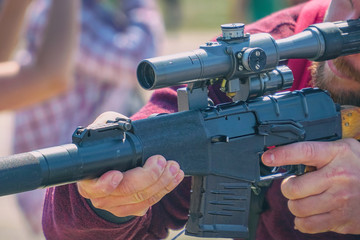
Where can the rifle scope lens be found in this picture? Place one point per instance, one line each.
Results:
(146, 75)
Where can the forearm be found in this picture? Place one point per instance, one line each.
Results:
(12, 15)
(68, 216)
(50, 73)
(55, 56)
(22, 86)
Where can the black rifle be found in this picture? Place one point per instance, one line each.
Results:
(221, 145)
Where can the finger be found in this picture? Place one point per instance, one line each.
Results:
(130, 205)
(138, 179)
(312, 183)
(170, 178)
(315, 224)
(140, 209)
(316, 154)
(314, 205)
(100, 187)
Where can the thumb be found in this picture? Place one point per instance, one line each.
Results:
(107, 116)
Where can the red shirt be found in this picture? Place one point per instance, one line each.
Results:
(68, 216)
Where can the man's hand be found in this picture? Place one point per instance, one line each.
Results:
(327, 199)
(131, 193)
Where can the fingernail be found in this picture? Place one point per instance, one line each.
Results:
(173, 170)
(161, 162)
(115, 180)
(268, 158)
(178, 177)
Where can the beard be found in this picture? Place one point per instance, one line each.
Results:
(328, 81)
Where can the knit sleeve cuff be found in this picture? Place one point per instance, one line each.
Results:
(109, 216)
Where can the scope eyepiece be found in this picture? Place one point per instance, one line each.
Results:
(146, 75)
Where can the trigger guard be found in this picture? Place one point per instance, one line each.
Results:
(290, 170)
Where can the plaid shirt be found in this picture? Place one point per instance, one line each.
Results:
(109, 51)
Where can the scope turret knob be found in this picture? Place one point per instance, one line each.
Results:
(254, 59)
(232, 31)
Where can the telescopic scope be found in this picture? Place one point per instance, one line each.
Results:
(239, 55)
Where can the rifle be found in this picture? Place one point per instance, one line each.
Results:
(220, 146)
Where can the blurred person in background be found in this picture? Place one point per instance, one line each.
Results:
(173, 14)
(114, 37)
(48, 74)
